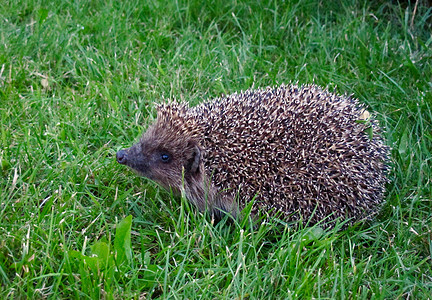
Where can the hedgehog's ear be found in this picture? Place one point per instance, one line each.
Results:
(194, 160)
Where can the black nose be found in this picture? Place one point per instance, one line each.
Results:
(121, 157)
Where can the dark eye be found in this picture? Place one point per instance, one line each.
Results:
(165, 157)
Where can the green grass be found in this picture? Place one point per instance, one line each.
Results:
(78, 81)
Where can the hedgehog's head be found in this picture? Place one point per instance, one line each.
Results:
(168, 152)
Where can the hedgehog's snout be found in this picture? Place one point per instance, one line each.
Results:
(133, 158)
(122, 157)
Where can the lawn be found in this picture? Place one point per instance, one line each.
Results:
(78, 81)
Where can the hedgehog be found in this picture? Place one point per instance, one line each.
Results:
(298, 153)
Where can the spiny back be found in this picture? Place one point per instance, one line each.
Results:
(296, 149)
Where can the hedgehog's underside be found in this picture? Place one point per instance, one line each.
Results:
(299, 151)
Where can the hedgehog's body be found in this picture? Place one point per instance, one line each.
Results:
(297, 151)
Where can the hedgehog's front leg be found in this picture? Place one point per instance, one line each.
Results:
(200, 190)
